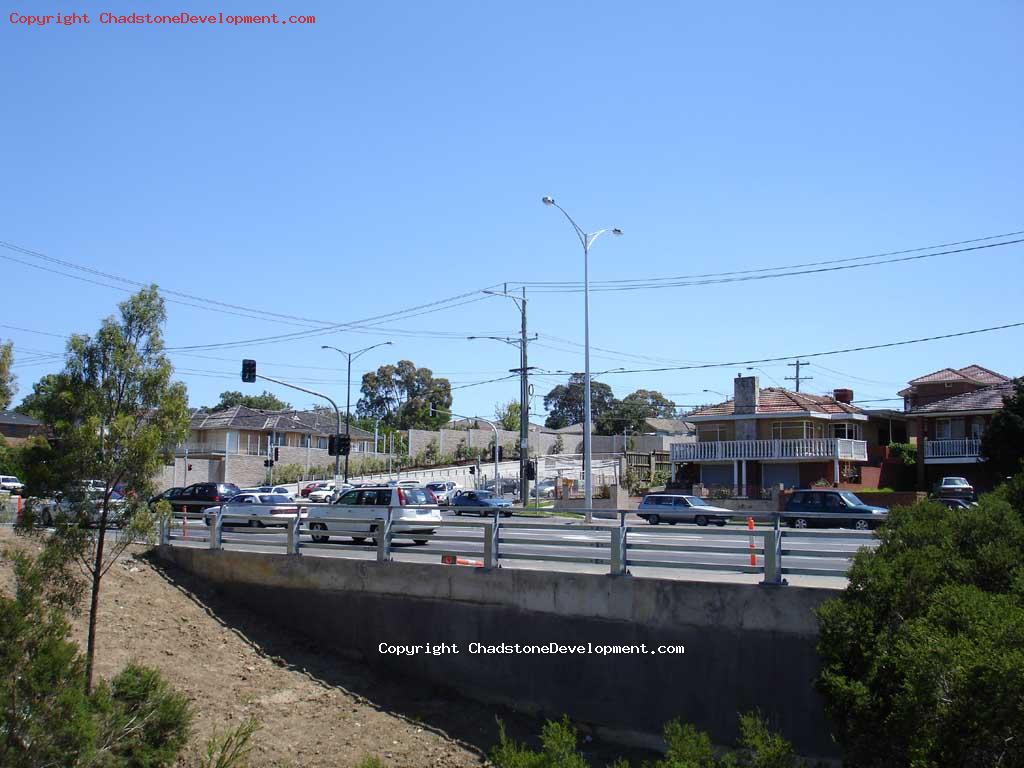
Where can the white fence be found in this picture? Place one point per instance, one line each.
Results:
(802, 448)
(967, 447)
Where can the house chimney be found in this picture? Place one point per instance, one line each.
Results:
(746, 394)
(843, 395)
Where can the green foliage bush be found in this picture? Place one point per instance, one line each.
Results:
(685, 747)
(134, 721)
(923, 654)
(905, 451)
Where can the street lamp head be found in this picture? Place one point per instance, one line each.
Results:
(617, 231)
(547, 200)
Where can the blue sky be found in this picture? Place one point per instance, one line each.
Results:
(394, 154)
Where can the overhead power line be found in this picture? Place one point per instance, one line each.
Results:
(864, 348)
(669, 281)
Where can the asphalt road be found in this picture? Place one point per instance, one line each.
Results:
(567, 538)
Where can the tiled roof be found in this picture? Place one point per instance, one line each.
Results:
(974, 373)
(243, 417)
(984, 399)
(779, 400)
(18, 419)
(984, 375)
(672, 426)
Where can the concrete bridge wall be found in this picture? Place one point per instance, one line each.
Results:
(747, 647)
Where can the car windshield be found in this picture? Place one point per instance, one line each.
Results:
(954, 482)
(436, 486)
(274, 498)
(851, 498)
(696, 501)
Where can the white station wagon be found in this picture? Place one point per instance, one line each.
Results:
(413, 510)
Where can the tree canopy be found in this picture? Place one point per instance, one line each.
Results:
(507, 415)
(265, 401)
(1003, 442)
(564, 403)
(8, 380)
(402, 395)
(116, 416)
(923, 654)
(632, 411)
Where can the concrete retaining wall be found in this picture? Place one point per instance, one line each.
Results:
(746, 646)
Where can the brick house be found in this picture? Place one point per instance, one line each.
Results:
(16, 428)
(948, 430)
(231, 445)
(765, 437)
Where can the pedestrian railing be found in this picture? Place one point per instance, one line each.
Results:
(619, 547)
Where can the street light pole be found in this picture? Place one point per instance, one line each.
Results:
(348, 398)
(586, 239)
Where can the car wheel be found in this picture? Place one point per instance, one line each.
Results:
(319, 538)
(720, 523)
(506, 514)
(672, 522)
(358, 539)
(419, 542)
(251, 523)
(458, 513)
(700, 520)
(800, 522)
(862, 525)
(653, 519)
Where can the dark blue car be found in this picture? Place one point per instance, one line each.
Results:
(485, 499)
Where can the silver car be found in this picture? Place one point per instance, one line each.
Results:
(675, 508)
(255, 510)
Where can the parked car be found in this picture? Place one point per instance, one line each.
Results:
(413, 510)
(85, 501)
(280, 490)
(545, 489)
(11, 484)
(200, 496)
(444, 491)
(509, 485)
(264, 509)
(835, 503)
(956, 503)
(169, 494)
(480, 499)
(323, 494)
(954, 488)
(307, 489)
(675, 508)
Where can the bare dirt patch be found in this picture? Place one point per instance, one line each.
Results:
(313, 710)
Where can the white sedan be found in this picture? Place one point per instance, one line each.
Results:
(255, 510)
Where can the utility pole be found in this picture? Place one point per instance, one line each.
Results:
(798, 378)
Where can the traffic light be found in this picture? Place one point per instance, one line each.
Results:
(189, 467)
(531, 470)
(277, 454)
(472, 470)
(498, 449)
(249, 371)
(268, 462)
(344, 445)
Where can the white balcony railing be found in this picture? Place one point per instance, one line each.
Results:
(966, 447)
(806, 448)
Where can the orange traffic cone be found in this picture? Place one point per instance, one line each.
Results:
(753, 549)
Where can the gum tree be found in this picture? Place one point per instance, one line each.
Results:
(116, 416)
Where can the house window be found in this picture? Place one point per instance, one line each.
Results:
(321, 443)
(795, 430)
(977, 428)
(848, 431)
(711, 433)
(943, 429)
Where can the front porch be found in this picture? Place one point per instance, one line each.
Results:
(957, 451)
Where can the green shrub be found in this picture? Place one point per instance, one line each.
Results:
(558, 749)
(143, 722)
(923, 654)
(905, 451)
(370, 762)
(230, 749)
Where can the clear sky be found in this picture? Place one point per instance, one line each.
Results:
(394, 154)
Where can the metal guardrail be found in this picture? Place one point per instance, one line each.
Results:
(618, 547)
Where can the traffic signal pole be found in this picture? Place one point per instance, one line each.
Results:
(249, 375)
